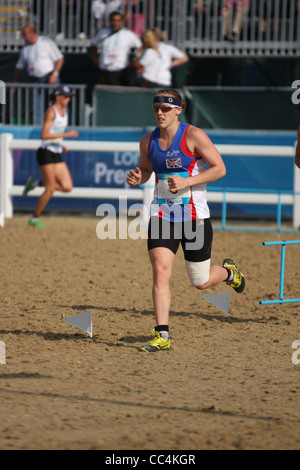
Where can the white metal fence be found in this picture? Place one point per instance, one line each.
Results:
(265, 27)
(8, 189)
(26, 104)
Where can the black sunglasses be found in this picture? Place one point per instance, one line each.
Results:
(164, 107)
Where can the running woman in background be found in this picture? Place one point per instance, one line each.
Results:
(177, 153)
(54, 171)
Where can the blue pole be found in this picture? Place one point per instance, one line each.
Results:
(282, 271)
(285, 301)
(290, 242)
(281, 300)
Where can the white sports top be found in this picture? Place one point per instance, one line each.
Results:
(59, 124)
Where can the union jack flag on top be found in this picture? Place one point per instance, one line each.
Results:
(173, 163)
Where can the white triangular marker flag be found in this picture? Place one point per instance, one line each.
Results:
(219, 300)
(83, 321)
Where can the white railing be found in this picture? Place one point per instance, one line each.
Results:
(26, 104)
(8, 189)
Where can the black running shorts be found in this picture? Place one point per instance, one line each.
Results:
(195, 237)
(45, 156)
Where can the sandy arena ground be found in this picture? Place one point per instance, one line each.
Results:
(225, 384)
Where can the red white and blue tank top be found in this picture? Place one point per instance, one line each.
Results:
(186, 204)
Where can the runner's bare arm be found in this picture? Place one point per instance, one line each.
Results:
(143, 172)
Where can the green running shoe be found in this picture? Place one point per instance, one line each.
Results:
(36, 223)
(157, 344)
(29, 186)
(238, 282)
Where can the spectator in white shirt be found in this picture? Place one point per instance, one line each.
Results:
(43, 60)
(171, 57)
(148, 63)
(116, 44)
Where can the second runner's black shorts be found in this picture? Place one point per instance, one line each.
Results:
(45, 156)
